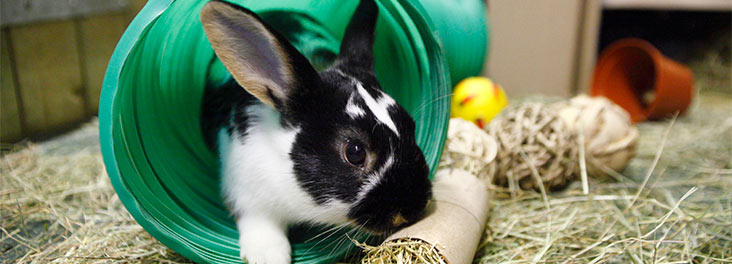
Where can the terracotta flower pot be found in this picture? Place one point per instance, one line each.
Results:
(635, 75)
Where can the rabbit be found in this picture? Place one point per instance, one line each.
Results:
(301, 146)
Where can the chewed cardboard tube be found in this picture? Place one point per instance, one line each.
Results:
(455, 219)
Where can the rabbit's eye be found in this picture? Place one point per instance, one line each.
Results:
(355, 153)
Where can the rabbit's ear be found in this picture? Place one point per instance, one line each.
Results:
(259, 59)
(356, 47)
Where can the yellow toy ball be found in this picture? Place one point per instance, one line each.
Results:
(478, 100)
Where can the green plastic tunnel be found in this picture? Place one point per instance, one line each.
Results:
(149, 111)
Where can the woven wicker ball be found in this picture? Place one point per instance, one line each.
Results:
(469, 148)
(609, 136)
(533, 140)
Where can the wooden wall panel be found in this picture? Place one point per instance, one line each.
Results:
(535, 44)
(99, 36)
(49, 75)
(588, 38)
(57, 71)
(10, 123)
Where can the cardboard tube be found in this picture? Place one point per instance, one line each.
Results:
(455, 219)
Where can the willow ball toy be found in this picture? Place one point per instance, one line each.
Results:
(533, 140)
(469, 148)
(609, 136)
(478, 100)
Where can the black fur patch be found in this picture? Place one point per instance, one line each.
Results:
(219, 103)
(356, 47)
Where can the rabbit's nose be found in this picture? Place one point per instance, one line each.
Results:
(398, 220)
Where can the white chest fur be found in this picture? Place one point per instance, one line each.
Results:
(258, 175)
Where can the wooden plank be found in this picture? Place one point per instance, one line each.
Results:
(10, 124)
(25, 12)
(49, 76)
(99, 36)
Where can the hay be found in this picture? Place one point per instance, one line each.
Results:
(58, 206)
(712, 67)
(402, 251)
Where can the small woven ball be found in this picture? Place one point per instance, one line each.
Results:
(532, 140)
(609, 136)
(478, 100)
(469, 148)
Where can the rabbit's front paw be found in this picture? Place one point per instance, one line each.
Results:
(263, 242)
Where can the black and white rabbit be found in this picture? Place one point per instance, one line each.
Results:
(297, 145)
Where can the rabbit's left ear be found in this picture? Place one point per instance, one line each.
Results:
(357, 45)
(259, 59)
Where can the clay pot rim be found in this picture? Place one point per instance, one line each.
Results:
(604, 63)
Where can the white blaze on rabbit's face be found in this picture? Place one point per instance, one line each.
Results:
(353, 110)
(380, 107)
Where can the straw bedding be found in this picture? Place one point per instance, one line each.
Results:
(672, 204)
(58, 206)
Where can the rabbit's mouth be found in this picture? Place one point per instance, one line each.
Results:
(384, 216)
(387, 224)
